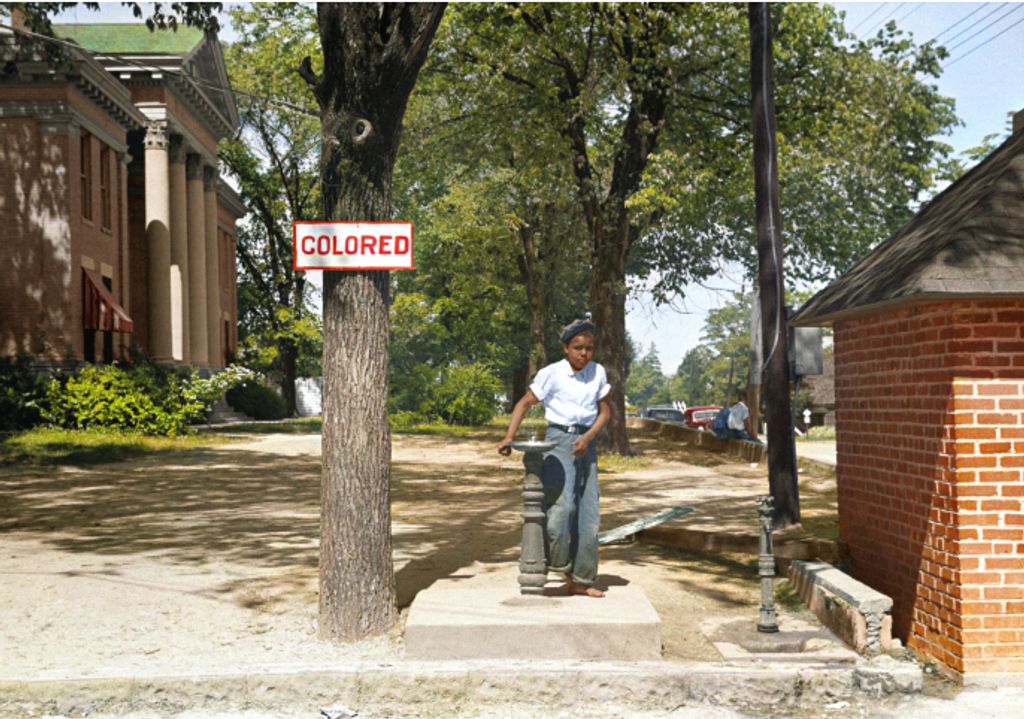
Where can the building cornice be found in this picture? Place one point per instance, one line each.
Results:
(61, 117)
(227, 197)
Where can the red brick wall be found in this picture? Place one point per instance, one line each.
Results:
(46, 237)
(35, 249)
(930, 442)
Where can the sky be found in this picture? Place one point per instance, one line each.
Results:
(982, 74)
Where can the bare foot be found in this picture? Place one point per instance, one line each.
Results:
(585, 590)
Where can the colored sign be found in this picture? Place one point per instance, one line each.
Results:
(353, 246)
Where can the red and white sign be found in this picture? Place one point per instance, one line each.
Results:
(353, 246)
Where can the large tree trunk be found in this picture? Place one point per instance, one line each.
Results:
(608, 307)
(775, 380)
(372, 56)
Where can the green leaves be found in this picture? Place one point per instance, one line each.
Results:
(276, 160)
(142, 398)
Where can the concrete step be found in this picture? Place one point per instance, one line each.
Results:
(224, 414)
(445, 689)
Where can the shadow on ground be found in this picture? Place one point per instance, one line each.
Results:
(456, 505)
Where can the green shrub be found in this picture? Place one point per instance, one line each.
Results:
(21, 390)
(467, 395)
(405, 419)
(141, 397)
(257, 400)
(108, 396)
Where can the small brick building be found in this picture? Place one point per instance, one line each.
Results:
(117, 232)
(929, 392)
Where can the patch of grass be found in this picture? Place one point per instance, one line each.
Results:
(52, 446)
(299, 425)
(495, 428)
(613, 463)
(818, 434)
(786, 596)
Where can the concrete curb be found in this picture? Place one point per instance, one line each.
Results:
(740, 449)
(428, 689)
(785, 548)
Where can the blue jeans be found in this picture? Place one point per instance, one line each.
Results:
(571, 508)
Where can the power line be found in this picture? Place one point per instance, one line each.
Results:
(909, 13)
(986, 42)
(977, 22)
(1001, 17)
(965, 17)
(151, 68)
(865, 19)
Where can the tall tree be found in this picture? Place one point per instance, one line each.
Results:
(274, 161)
(646, 384)
(372, 55)
(487, 207)
(648, 106)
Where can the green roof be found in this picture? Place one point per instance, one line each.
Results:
(131, 37)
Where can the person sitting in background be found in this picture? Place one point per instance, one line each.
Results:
(731, 422)
(720, 425)
(737, 421)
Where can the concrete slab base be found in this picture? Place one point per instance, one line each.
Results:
(439, 690)
(485, 617)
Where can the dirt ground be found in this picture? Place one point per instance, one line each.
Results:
(206, 561)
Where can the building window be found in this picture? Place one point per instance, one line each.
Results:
(105, 187)
(86, 172)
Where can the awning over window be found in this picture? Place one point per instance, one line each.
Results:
(101, 309)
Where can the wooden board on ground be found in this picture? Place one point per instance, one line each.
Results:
(622, 533)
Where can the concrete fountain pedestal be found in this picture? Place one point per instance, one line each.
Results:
(482, 615)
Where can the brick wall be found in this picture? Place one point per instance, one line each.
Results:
(930, 443)
(35, 251)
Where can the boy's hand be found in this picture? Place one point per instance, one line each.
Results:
(580, 446)
(505, 448)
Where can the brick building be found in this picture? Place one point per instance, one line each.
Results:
(929, 393)
(117, 232)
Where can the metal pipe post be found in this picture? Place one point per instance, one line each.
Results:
(766, 620)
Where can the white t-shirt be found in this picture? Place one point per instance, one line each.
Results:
(570, 397)
(738, 414)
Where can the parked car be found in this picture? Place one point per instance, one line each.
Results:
(700, 417)
(664, 413)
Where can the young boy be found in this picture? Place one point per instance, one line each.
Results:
(575, 396)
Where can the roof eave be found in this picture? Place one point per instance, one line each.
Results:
(830, 317)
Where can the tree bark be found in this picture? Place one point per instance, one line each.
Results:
(372, 56)
(536, 300)
(608, 307)
(775, 383)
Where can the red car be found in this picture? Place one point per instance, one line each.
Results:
(698, 417)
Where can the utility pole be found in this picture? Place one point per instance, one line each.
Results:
(775, 377)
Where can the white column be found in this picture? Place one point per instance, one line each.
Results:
(214, 322)
(158, 242)
(180, 340)
(197, 260)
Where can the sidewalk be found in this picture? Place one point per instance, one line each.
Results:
(819, 451)
(190, 582)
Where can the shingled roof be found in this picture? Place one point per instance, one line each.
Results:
(967, 242)
(133, 38)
